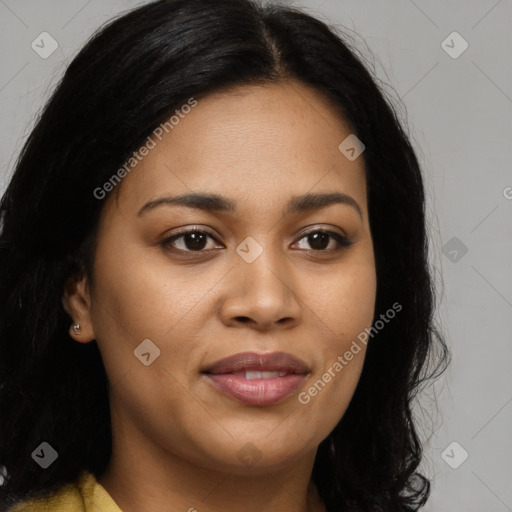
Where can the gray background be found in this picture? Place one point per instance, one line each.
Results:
(459, 114)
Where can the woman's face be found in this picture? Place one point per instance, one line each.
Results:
(252, 280)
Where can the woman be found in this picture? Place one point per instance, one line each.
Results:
(214, 288)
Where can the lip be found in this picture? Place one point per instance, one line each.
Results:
(227, 376)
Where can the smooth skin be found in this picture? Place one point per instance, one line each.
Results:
(176, 439)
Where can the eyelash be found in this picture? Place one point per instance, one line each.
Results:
(343, 241)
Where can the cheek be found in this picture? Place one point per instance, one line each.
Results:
(138, 295)
(137, 292)
(345, 303)
(129, 300)
(347, 307)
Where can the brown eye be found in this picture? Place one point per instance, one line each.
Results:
(195, 240)
(319, 240)
(190, 241)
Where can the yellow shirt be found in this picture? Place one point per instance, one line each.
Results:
(85, 495)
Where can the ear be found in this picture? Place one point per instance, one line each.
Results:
(76, 301)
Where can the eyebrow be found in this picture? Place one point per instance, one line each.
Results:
(218, 203)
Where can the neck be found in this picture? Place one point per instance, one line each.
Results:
(143, 479)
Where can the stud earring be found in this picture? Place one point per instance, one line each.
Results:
(77, 328)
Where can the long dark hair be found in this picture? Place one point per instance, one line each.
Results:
(129, 77)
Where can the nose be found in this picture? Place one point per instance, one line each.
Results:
(262, 294)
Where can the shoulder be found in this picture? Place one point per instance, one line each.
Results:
(68, 499)
(84, 495)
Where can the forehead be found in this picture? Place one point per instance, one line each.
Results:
(269, 141)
